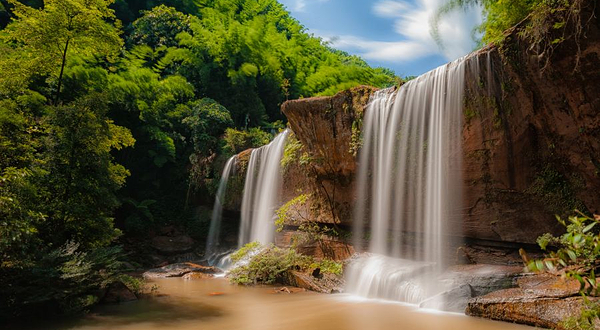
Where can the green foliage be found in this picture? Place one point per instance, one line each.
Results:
(356, 140)
(64, 280)
(20, 217)
(284, 215)
(140, 217)
(252, 56)
(291, 152)
(294, 212)
(159, 27)
(544, 18)
(499, 15)
(41, 40)
(555, 190)
(245, 251)
(237, 141)
(587, 320)
(576, 256)
(83, 175)
(208, 121)
(267, 265)
(328, 266)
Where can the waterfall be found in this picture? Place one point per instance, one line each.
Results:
(212, 242)
(409, 184)
(262, 190)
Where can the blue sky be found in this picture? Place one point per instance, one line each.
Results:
(389, 33)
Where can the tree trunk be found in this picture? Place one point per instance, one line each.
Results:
(62, 70)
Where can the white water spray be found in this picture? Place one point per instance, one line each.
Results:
(409, 184)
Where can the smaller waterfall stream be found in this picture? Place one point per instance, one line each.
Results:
(262, 188)
(212, 243)
(261, 192)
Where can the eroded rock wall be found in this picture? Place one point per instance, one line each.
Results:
(531, 139)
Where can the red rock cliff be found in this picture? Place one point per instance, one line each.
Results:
(531, 138)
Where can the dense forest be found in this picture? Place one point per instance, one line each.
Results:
(115, 116)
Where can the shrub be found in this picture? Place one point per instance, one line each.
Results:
(66, 280)
(268, 264)
(237, 141)
(577, 256)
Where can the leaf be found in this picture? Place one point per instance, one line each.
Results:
(572, 255)
(589, 227)
(539, 265)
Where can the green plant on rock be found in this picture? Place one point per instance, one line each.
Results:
(577, 256)
(267, 265)
(356, 139)
(548, 27)
(328, 266)
(555, 190)
(294, 213)
(246, 250)
(237, 141)
(285, 215)
(291, 152)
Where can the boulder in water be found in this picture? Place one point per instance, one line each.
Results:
(540, 300)
(197, 276)
(326, 283)
(180, 269)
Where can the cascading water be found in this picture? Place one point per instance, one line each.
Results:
(212, 242)
(409, 184)
(262, 192)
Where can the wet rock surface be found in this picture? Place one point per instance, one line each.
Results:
(324, 283)
(326, 247)
(180, 269)
(464, 282)
(542, 300)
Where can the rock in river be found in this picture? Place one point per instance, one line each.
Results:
(180, 269)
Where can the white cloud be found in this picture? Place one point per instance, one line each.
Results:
(399, 51)
(412, 24)
(300, 5)
(389, 8)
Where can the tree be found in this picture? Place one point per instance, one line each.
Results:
(159, 27)
(83, 177)
(42, 39)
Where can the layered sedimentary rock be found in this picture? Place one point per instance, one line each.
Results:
(539, 300)
(328, 129)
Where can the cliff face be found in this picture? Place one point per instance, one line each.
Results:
(328, 129)
(531, 138)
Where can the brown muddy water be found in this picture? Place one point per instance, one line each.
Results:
(215, 304)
